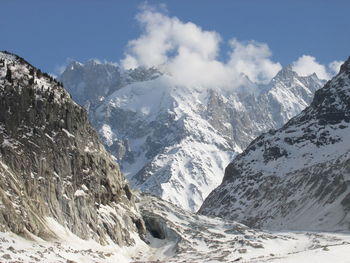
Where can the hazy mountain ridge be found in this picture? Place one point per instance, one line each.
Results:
(93, 81)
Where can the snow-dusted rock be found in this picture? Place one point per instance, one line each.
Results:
(296, 177)
(52, 164)
(93, 81)
(175, 141)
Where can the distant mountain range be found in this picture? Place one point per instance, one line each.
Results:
(175, 141)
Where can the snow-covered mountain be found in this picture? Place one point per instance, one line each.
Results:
(296, 177)
(174, 141)
(63, 199)
(93, 81)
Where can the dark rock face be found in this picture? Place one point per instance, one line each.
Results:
(296, 177)
(52, 165)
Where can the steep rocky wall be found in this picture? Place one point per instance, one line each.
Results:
(53, 165)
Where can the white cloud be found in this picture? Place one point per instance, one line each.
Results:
(334, 66)
(129, 62)
(163, 37)
(252, 59)
(307, 65)
(190, 54)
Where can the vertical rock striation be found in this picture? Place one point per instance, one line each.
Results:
(53, 166)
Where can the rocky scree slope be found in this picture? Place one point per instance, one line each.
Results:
(174, 141)
(53, 166)
(296, 177)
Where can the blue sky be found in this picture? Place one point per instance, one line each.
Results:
(46, 33)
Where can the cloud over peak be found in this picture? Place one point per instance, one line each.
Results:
(164, 38)
(307, 65)
(191, 54)
(253, 59)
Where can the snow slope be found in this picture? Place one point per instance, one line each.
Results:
(66, 248)
(176, 235)
(296, 177)
(182, 236)
(175, 153)
(175, 141)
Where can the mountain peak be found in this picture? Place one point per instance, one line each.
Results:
(153, 125)
(93, 61)
(73, 65)
(286, 73)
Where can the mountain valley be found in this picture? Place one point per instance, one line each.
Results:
(175, 141)
(64, 199)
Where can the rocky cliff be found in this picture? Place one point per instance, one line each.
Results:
(53, 166)
(296, 177)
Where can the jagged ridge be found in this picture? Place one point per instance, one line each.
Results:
(175, 141)
(297, 177)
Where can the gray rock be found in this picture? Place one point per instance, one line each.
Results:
(52, 164)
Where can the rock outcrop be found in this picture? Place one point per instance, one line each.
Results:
(53, 166)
